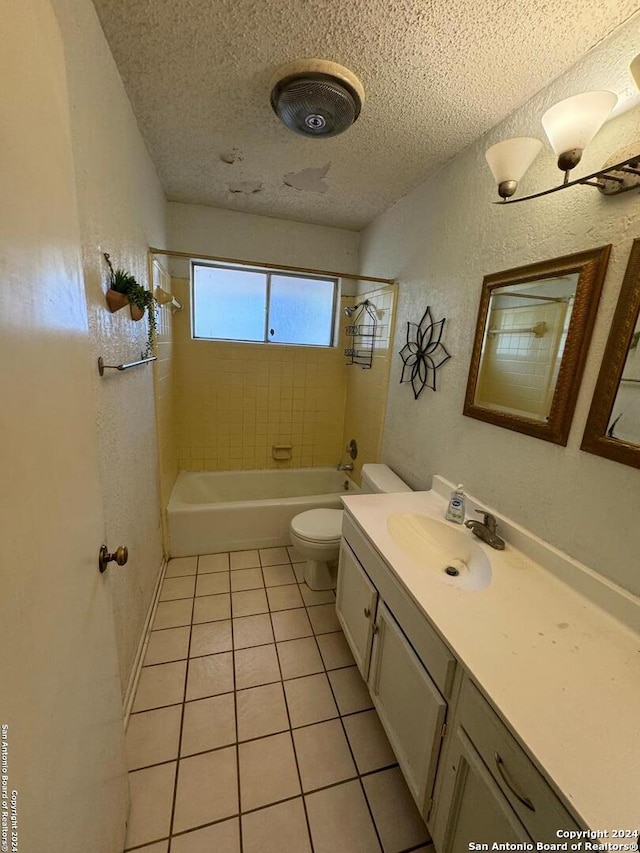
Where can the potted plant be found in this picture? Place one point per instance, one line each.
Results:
(123, 290)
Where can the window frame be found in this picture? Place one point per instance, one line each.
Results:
(268, 272)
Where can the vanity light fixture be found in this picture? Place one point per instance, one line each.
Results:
(569, 125)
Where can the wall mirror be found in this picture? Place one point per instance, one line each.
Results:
(613, 425)
(532, 337)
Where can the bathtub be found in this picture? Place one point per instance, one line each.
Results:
(237, 510)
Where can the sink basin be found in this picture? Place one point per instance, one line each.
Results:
(440, 547)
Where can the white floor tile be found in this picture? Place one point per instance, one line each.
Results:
(181, 566)
(175, 588)
(173, 614)
(256, 665)
(252, 631)
(312, 597)
(276, 829)
(335, 650)
(207, 789)
(208, 724)
(246, 579)
(223, 837)
(213, 563)
(323, 755)
(284, 597)
(212, 584)
(211, 608)
(278, 575)
(324, 619)
(160, 685)
(153, 737)
(244, 559)
(368, 741)
(352, 694)
(299, 657)
(267, 771)
(249, 602)
(340, 820)
(151, 799)
(291, 624)
(395, 814)
(209, 638)
(273, 556)
(261, 711)
(210, 676)
(158, 847)
(168, 645)
(309, 700)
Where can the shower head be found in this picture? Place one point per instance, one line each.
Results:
(350, 310)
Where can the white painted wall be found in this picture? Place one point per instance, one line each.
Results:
(230, 233)
(439, 242)
(122, 212)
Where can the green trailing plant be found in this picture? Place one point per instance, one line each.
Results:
(123, 282)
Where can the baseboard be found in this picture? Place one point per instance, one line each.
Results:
(142, 646)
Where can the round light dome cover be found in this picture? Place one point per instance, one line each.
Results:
(317, 98)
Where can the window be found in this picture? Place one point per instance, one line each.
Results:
(239, 304)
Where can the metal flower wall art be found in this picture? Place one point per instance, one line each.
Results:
(423, 353)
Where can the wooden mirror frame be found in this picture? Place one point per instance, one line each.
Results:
(595, 438)
(591, 266)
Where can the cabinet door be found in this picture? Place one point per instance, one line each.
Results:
(472, 808)
(356, 599)
(409, 705)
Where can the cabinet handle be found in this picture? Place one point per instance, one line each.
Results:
(367, 612)
(502, 770)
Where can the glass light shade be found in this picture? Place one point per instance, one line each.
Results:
(634, 68)
(510, 159)
(574, 122)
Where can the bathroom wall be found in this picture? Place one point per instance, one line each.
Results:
(122, 212)
(366, 394)
(439, 242)
(235, 401)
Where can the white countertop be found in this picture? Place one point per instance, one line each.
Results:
(564, 673)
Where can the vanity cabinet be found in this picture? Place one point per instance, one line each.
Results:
(409, 703)
(484, 787)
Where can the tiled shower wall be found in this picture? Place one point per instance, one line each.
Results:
(233, 402)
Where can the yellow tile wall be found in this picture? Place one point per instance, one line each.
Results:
(367, 389)
(233, 402)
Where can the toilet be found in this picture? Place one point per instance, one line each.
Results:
(316, 533)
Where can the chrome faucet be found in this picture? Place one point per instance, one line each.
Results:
(486, 530)
(345, 466)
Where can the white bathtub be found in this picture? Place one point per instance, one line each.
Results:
(236, 510)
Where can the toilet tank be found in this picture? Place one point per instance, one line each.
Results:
(380, 478)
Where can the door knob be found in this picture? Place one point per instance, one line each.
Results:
(120, 556)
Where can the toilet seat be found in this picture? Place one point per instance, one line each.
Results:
(318, 525)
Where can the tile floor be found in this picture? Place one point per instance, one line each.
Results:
(252, 731)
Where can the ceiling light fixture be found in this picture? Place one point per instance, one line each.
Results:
(316, 98)
(569, 125)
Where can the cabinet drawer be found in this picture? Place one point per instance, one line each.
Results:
(434, 654)
(535, 803)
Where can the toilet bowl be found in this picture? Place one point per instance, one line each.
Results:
(316, 533)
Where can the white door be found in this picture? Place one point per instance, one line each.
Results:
(59, 690)
(356, 599)
(409, 705)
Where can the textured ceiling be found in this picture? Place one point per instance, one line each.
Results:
(437, 74)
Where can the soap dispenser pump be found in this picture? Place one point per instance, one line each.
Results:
(456, 510)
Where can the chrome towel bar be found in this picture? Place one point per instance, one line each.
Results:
(102, 366)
